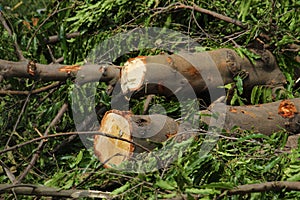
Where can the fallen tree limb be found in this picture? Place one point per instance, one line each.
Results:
(167, 74)
(162, 74)
(263, 118)
(58, 72)
(38, 190)
(148, 130)
(145, 130)
(214, 14)
(264, 187)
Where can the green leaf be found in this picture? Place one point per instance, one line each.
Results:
(68, 184)
(202, 191)
(227, 86)
(121, 189)
(272, 164)
(253, 95)
(166, 196)
(219, 185)
(239, 84)
(79, 157)
(294, 178)
(167, 185)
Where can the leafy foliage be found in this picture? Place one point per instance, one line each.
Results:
(245, 157)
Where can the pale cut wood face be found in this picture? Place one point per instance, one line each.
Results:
(133, 74)
(106, 148)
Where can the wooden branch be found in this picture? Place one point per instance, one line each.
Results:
(161, 73)
(58, 72)
(36, 155)
(92, 133)
(36, 91)
(37, 190)
(263, 118)
(212, 13)
(291, 143)
(145, 130)
(150, 130)
(264, 187)
(55, 38)
(150, 74)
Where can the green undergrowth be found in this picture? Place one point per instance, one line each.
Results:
(183, 169)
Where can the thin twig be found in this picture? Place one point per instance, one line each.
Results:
(49, 16)
(36, 91)
(212, 13)
(9, 174)
(55, 38)
(232, 37)
(37, 190)
(72, 133)
(10, 33)
(36, 155)
(51, 54)
(19, 117)
(147, 103)
(263, 187)
(196, 22)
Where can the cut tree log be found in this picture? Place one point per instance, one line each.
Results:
(137, 133)
(162, 74)
(167, 74)
(263, 118)
(140, 133)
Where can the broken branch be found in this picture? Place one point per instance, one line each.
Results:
(264, 187)
(37, 190)
(58, 72)
(263, 118)
(55, 38)
(212, 13)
